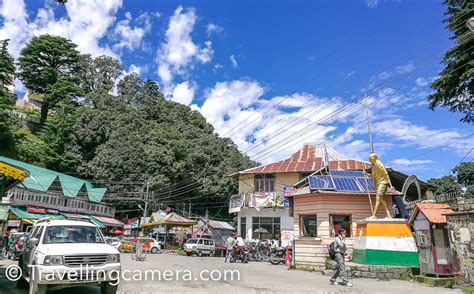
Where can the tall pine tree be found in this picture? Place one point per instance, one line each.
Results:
(455, 84)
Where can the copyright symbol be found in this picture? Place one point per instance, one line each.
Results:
(13, 273)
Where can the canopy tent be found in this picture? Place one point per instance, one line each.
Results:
(172, 219)
(108, 221)
(29, 217)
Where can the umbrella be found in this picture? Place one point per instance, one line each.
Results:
(260, 231)
(118, 232)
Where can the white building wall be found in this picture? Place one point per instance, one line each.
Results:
(286, 222)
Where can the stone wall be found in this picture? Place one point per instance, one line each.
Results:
(461, 238)
(381, 272)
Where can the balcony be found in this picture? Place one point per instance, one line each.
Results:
(19, 196)
(257, 200)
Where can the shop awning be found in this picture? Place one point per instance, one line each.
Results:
(79, 216)
(108, 221)
(29, 217)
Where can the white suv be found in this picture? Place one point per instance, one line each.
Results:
(67, 253)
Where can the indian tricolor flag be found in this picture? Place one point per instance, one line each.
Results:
(385, 242)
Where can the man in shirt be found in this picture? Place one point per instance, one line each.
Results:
(341, 252)
(229, 243)
(240, 241)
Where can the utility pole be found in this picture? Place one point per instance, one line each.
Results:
(189, 214)
(146, 198)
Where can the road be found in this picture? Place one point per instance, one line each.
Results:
(181, 274)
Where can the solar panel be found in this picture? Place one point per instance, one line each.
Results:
(346, 184)
(369, 183)
(320, 182)
(346, 173)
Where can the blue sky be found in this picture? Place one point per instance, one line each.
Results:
(275, 74)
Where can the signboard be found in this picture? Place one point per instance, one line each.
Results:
(36, 209)
(40, 210)
(13, 223)
(287, 236)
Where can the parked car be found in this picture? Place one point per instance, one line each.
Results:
(200, 247)
(68, 247)
(148, 244)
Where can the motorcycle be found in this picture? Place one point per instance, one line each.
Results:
(279, 255)
(240, 253)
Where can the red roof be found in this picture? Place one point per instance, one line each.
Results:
(434, 212)
(306, 160)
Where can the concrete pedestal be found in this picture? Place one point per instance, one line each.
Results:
(385, 242)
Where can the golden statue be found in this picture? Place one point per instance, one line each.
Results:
(381, 182)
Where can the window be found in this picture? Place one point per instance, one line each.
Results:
(269, 228)
(264, 183)
(243, 227)
(338, 222)
(309, 226)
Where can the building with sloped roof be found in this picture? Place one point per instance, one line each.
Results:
(47, 193)
(310, 196)
(260, 203)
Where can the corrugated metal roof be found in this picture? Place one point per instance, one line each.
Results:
(434, 212)
(308, 159)
(41, 179)
(219, 225)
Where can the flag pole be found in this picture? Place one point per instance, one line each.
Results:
(371, 150)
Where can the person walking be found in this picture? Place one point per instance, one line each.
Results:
(229, 243)
(340, 252)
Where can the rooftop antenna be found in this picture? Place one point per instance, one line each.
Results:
(368, 124)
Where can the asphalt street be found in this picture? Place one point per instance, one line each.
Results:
(180, 274)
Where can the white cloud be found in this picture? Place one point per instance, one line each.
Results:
(213, 28)
(184, 93)
(423, 137)
(233, 61)
(128, 37)
(411, 164)
(216, 67)
(178, 54)
(372, 3)
(86, 22)
(421, 82)
(407, 68)
(237, 109)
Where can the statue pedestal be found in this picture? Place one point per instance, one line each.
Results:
(385, 242)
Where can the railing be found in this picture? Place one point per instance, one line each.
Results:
(21, 197)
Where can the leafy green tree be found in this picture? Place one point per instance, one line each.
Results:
(465, 176)
(7, 70)
(446, 185)
(49, 66)
(99, 74)
(455, 85)
(56, 135)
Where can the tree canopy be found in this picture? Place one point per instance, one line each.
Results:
(460, 182)
(121, 140)
(454, 88)
(49, 65)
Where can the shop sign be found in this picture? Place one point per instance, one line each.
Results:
(36, 209)
(40, 210)
(13, 223)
